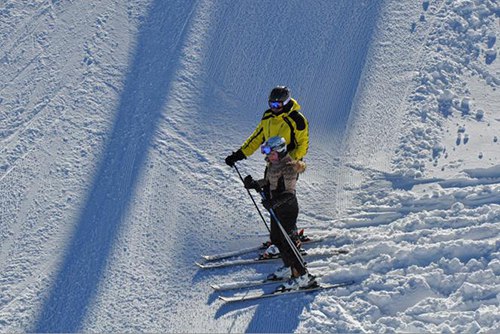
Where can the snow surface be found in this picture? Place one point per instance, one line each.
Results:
(115, 118)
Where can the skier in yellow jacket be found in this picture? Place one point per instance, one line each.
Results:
(283, 119)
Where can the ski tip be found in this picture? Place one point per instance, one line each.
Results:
(337, 285)
(225, 299)
(238, 298)
(216, 287)
(200, 265)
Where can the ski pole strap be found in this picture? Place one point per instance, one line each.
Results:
(253, 200)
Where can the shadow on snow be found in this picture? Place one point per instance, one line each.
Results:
(151, 71)
(276, 315)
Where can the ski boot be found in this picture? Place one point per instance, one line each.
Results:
(305, 281)
(302, 236)
(271, 252)
(279, 274)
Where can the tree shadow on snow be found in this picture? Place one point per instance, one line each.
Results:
(140, 107)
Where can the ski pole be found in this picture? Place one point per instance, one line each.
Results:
(287, 237)
(253, 200)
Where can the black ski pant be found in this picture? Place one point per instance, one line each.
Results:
(287, 215)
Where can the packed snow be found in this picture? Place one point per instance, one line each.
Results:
(116, 117)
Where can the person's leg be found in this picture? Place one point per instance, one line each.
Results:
(287, 215)
(279, 241)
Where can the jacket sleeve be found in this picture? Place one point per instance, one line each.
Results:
(254, 141)
(302, 138)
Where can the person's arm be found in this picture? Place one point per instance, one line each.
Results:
(254, 141)
(301, 136)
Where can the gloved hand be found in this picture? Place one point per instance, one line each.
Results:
(250, 183)
(268, 204)
(234, 157)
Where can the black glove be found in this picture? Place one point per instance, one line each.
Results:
(268, 204)
(250, 183)
(235, 156)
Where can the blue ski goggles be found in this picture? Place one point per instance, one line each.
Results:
(275, 104)
(264, 149)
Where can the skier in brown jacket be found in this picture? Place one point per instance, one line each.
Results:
(281, 178)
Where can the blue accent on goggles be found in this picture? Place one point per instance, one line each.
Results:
(265, 149)
(275, 104)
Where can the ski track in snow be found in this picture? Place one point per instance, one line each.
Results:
(115, 119)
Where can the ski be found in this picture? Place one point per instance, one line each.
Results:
(260, 295)
(213, 265)
(249, 283)
(221, 256)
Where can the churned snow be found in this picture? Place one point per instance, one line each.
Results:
(116, 117)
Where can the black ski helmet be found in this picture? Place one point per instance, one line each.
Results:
(280, 94)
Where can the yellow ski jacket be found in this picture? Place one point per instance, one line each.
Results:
(291, 125)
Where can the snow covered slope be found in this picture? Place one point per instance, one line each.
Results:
(115, 118)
